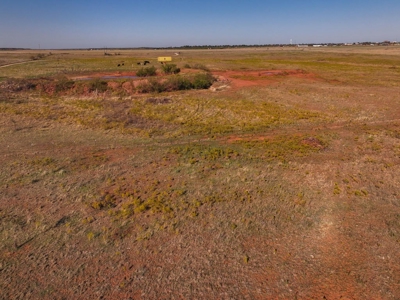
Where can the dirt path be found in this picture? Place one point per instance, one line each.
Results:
(18, 63)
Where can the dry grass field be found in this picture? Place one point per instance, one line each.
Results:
(281, 181)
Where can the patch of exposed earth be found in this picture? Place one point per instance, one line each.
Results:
(240, 79)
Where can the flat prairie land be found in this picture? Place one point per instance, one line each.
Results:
(280, 181)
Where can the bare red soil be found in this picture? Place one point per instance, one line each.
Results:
(240, 79)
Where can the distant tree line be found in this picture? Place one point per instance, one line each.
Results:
(12, 49)
(384, 43)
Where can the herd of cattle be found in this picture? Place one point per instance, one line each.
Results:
(138, 63)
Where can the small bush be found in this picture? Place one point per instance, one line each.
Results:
(202, 81)
(156, 86)
(36, 57)
(98, 85)
(152, 85)
(146, 72)
(170, 69)
(178, 83)
(64, 84)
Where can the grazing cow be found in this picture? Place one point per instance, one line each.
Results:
(119, 65)
(123, 64)
(139, 63)
(146, 62)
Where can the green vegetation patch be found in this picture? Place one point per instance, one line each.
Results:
(170, 69)
(176, 83)
(197, 66)
(284, 147)
(220, 115)
(146, 72)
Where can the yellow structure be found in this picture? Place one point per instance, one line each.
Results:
(164, 58)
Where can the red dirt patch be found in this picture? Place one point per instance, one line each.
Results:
(239, 79)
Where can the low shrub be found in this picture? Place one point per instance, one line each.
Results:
(178, 83)
(170, 69)
(152, 85)
(38, 56)
(146, 72)
(202, 81)
(98, 85)
(64, 84)
(197, 81)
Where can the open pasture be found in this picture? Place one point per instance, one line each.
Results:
(280, 181)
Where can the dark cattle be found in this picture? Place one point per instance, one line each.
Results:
(146, 62)
(119, 65)
(139, 63)
(123, 64)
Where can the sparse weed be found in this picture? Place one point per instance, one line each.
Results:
(90, 236)
(360, 193)
(104, 202)
(246, 259)
(336, 189)
(204, 152)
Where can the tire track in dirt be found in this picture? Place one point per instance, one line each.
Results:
(312, 128)
(343, 257)
(332, 256)
(18, 63)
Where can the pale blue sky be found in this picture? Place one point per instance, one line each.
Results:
(154, 23)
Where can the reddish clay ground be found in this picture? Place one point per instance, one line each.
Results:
(240, 79)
